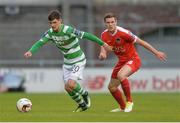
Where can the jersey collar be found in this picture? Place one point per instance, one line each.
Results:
(61, 27)
(114, 32)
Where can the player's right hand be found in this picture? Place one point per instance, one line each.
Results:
(102, 56)
(27, 54)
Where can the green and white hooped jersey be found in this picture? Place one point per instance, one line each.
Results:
(66, 40)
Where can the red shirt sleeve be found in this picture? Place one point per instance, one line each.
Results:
(102, 37)
(106, 39)
(130, 37)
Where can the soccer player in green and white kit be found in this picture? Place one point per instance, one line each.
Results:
(66, 40)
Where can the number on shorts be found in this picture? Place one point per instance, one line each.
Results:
(75, 69)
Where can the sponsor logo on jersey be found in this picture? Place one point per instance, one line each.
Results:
(119, 49)
(60, 38)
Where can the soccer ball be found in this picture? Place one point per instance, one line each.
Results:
(24, 105)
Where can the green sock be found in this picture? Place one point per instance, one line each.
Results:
(79, 89)
(76, 97)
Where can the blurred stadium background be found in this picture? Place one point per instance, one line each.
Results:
(22, 22)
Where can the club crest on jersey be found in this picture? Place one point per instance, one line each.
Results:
(118, 40)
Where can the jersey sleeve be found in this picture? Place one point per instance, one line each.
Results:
(44, 39)
(82, 35)
(106, 39)
(130, 37)
(102, 37)
(93, 38)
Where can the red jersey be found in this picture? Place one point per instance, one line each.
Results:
(123, 42)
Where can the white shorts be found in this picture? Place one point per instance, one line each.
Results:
(74, 72)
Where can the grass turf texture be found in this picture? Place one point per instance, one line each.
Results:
(58, 107)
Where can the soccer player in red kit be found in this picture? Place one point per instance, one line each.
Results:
(129, 61)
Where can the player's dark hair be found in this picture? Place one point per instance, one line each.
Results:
(55, 14)
(109, 15)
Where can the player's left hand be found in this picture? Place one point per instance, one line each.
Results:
(161, 55)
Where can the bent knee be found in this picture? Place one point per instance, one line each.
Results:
(66, 87)
(70, 84)
(112, 88)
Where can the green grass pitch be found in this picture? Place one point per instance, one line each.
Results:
(148, 107)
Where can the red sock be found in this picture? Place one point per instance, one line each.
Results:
(118, 96)
(126, 88)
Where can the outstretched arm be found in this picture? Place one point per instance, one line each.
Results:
(160, 55)
(94, 38)
(37, 45)
(34, 49)
(88, 36)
